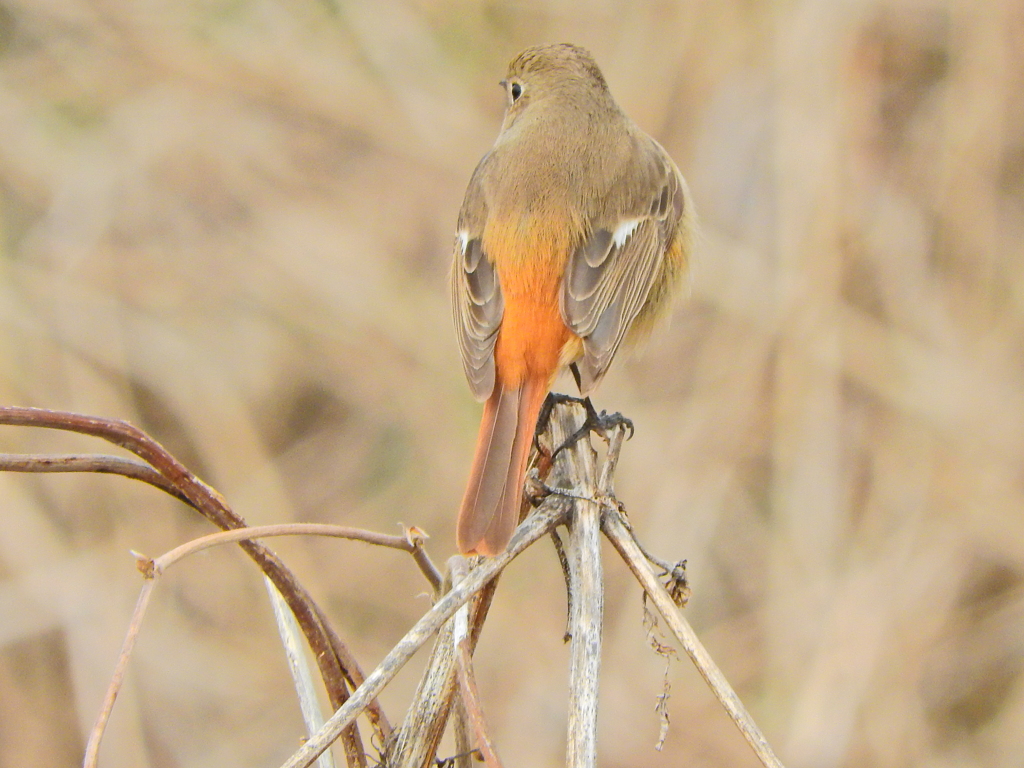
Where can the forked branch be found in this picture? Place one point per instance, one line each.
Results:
(338, 668)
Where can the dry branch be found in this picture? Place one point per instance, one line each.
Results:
(415, 743)
(416, 739)
(586, 586)
(622, 539)
(337, 666)
(409, 544)
(99, 463)
(92, 747)
(471, 704)
(548, 515)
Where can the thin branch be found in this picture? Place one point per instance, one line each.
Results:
(92, 747)
(481, 607)
(471, 701)
(416, 539)
(417, 738)
(550, 513)
(416, 741)
(134, 469)
(282, 529)
(100, 463)
(465, 632)
(133, 439)
(563, 562)
(666, 567)
(458, 569)
(627, 547)
(151, 569)
(374, 712)
(406, 544)
(337, 666)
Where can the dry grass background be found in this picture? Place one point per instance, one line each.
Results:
(230, 222)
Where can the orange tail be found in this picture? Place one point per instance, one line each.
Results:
(490, 508)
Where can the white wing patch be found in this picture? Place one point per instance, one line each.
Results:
(624, 230)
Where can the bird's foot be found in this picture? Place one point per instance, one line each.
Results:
(602, 423)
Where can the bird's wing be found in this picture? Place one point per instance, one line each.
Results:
(476, 294)
(610, 275)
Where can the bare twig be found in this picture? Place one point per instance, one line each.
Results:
(92, 747)
(416, 741)
(667, 567)
(465, 632)
(550, 513)
(291, 529)
(374, 712)
(412, 542)
(623, 541)
(416, 538)
(101, 463)
(151, 569)
(337, 666)
(458, 569)
(481, 606)
(471, 700)
(417, 738)
(405, 543)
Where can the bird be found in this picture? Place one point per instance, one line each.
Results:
(575, 232)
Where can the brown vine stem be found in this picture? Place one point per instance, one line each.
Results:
(338, 668)
(99, 463)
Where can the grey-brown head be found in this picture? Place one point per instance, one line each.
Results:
(563, 72)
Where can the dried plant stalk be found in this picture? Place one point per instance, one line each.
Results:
(622, 539)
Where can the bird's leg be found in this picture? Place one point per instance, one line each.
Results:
(553, 399)
(602, 423)
(575, 369)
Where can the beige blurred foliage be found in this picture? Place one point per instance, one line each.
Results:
(229, 222)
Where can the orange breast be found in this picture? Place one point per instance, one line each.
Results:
(530, 254)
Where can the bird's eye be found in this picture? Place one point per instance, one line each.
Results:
(515, 91)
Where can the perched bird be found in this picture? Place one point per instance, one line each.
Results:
(575, 231)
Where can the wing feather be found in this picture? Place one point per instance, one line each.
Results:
(477, 301)
(610, 275)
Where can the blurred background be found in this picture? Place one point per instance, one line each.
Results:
(230, 222)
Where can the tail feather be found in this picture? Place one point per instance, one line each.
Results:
(491, 506)
(493, 455)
